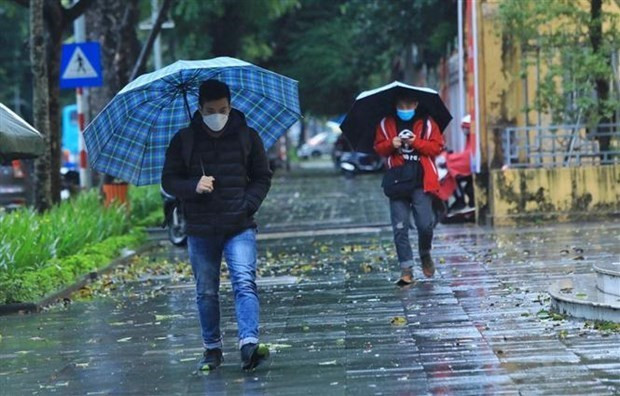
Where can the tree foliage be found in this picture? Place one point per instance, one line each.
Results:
(575, 64)
(334, 48)
(15, 73)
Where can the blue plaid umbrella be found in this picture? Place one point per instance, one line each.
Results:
(128, 139)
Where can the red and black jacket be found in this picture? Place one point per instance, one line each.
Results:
(427, 146)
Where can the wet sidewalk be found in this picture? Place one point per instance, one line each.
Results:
(334, 320)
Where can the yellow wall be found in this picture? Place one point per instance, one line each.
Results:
(503, 94)
(554, 193)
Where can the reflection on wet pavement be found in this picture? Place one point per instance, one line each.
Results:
(335, 322)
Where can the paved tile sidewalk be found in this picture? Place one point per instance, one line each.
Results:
(336, 323)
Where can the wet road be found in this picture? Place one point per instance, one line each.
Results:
(335, 322)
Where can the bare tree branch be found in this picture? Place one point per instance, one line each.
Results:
(146, 49)
(71, 14)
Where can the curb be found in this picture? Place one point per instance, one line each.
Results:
(34, 307)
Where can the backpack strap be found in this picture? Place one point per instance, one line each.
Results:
(187, 143)
(246, 144)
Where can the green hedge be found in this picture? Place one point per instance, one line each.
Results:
(40, 253)
(145, 202)
(29, 240)
(31, 286)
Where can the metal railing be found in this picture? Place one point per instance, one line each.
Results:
(560, 145)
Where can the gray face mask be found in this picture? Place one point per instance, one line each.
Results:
(215, 122)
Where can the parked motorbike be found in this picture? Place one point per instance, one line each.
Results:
(452, 195)
(174, 220)
(353, 162)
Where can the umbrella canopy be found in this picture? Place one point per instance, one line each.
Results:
(18, 139)
(371, 107)
(128, 139)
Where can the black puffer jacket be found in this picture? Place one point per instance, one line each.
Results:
(239, 165)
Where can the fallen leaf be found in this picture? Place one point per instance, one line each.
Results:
(398, 321)
(366, 268)
(557, 316)
(542, 314)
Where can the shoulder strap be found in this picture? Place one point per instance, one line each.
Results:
(246, 144)
(187, 143)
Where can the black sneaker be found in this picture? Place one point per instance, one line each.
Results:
(211, 359)
(428, 266)
(252, 355)
(459, 204)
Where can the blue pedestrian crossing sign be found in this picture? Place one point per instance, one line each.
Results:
(80, 65)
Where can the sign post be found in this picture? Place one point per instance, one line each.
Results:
(81, 67)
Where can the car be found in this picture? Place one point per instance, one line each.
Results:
(318, 145)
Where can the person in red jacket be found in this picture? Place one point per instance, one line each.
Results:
(411, 138)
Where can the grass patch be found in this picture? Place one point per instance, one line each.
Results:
(144, 201)
(29, 240)
(41, 253)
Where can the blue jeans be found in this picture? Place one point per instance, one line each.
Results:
(205, 255)
(421, 205)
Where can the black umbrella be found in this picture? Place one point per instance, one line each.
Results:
(370, 107)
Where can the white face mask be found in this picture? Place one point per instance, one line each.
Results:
(215, 122)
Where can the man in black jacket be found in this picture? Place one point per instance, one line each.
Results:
(218, 167)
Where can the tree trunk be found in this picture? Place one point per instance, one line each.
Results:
(53, 61)
(601, 84)
(57, 19)
(113, 23)
(43, 197)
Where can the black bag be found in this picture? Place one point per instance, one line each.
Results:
(401, 181)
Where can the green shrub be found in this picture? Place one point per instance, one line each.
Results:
(143, 202)
(29, 240)
(155, 219)
(31, 286)
(40, 253)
